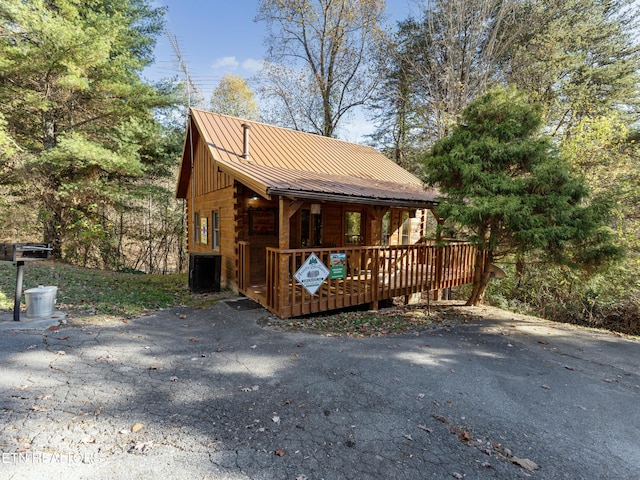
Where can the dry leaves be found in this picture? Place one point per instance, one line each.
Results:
(525, 463)
(141, 447)
(441, 418)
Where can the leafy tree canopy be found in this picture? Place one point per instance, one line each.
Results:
(578, 58)
(233, 96)
(511, 191)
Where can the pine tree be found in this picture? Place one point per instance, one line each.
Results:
(77, 109)
(510, 190)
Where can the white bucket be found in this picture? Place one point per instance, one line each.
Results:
(40, 301)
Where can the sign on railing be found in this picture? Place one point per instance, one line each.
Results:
(312, 273)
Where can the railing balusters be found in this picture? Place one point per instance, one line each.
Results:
(371, 274)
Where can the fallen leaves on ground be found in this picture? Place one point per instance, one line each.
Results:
(380, 323)
(525, 463)
(141, 447)
(441, 418)
(137, 427)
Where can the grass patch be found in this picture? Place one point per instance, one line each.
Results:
(102, 292)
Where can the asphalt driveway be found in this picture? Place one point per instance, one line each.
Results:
(195, 394)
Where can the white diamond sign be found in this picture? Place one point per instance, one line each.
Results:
(312, 273)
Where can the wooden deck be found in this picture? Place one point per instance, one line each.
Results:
(372, 274)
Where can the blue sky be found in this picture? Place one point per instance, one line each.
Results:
(216, 37)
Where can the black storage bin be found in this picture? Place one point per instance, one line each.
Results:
(204, 272)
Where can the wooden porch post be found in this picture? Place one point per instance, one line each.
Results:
(283, 243)
(375, 238)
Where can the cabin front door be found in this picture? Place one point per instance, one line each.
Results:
(306, 229)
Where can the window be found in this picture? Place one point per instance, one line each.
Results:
(406, 228)
(215, 230)
(305, 228)
(386, 228)
(204, 230)
(196, 228)
(353, 228)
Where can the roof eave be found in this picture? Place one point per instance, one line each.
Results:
(332, 197)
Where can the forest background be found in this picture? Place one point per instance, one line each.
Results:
(89, 150)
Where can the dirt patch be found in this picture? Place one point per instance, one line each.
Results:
(405, 319)
(397, 320)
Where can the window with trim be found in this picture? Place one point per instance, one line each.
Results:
(406, 228)
(196, 228)
(204, 230)
(386, 228)
(215, 229)
(353, 228)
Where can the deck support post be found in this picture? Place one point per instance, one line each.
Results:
(283, 260)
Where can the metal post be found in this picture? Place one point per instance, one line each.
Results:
(16, 304)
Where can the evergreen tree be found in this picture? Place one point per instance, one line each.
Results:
(511, 192)
(396, 106)
(77, 109)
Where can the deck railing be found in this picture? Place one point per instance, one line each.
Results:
(372, 274)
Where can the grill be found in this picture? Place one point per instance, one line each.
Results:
(19, 253)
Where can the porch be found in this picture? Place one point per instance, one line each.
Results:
(371, 274)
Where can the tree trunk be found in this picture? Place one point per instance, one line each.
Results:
(519, 268)
(52, 233)
(481, 277)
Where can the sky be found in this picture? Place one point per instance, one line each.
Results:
(216, 37)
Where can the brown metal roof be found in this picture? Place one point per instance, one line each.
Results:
(303, 165)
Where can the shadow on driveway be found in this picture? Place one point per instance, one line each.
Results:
(211, 394)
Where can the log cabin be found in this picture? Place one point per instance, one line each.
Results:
(302, 223)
